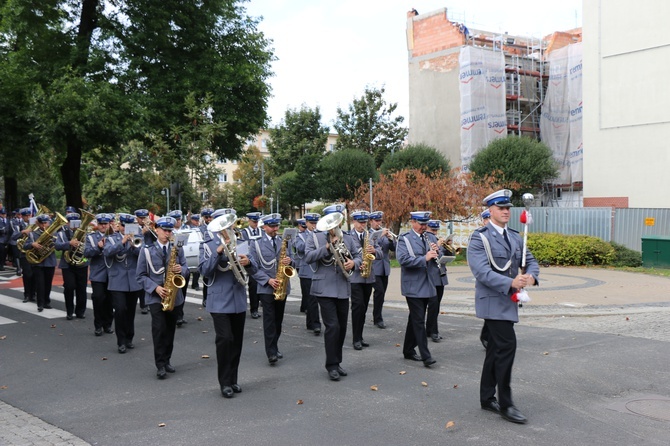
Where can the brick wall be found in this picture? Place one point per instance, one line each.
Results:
(615, 202)
(434, 33)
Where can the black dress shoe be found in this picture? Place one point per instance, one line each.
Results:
(109, 330)
(364, 344)
(40, 309)
(428, 362)
(255, 315)
(122, 348)
(317, 331)
(169, 368)
(272, 359)
(48, 307)
(358, 346)
(144, 310)
(227, 391)
(341, 371)
(236, 388)
(413, 357)
(69, 317)
(130, 345)
(491, 406)
(160, 373)
(25, 299)
(279, 355)
(436, 337)
(333, 375)
(484, 342)
(98, 331)
(196, 288)
(180, 322)
(80, 316)
(380, 324)
(512, 414)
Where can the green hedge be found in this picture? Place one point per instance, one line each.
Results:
(570, 250)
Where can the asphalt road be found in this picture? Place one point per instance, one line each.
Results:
(576, 387)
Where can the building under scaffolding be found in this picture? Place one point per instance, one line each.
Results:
(455, 79)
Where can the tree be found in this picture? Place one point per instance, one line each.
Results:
(248, 178)
(416, 156)
(299, 134)
(521, 160)
(370, 127)
(342, 172)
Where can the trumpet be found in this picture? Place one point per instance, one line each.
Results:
(391, 234)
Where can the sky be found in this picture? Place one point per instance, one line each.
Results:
(328, 51)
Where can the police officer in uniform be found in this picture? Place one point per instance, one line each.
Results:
(381, 267)
(417, 257)
(227, 304)
(103, 310)
(75, 277)
(252, 232)
(179, 311)
(5, 234)
(361, 287)
(332, 289)
(44, 271)
(264, 254)
(206, 215)
(29, 291)
(121, 260)
(305, 273)
(15, 224)
(440, 281)
(151, 265)
(495, 256)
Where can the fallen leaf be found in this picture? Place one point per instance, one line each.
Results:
(60, 334)
(402, 372)
(424, 383)
(3, 387)
(205, 356)
(397, 345)
(443, 312)
(54, 325)
(255, 342)
(450, 424)
(455, 386)
(374, 388)
(45, 359)
(627, 318)
(161, 424)
(205, 331)
(104, 358)
(2, 338)
(199, 318)
(545, 353)
(299, 402)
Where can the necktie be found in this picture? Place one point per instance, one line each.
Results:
(360, 237)
(274, 244)
(423, 239)
(254, 231)
(165, 257)
(509, 245)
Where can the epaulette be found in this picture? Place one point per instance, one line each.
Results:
(404, 234)
(482, 229)
(512, 230)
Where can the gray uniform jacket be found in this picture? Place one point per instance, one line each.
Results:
(417, 277)
(98, 269)
(264, 259)
(382, 266)
(50, 261)
(150, 271)
(5, 230)
(356, 276)
(441, 278)
(299, 244)
(224, 293)
(63, 238)
(492, 287)
(121, 260)
(328, 280)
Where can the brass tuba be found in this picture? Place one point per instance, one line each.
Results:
(46, 240)
(22, 240)
(331, 224)
(75, 256)
(223, 224)
(284, 272)
(173, 281)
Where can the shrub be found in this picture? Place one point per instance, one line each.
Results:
(625, 257)
(570, 250)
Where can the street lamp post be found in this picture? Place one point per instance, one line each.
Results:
(166, 192)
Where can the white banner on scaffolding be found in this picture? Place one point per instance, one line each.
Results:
(482, 90)
(561, 121)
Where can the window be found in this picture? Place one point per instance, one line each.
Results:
(331, 147)
(264, 143)
(223, 178)
(223, 160)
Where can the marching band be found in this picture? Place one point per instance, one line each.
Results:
(140, 258)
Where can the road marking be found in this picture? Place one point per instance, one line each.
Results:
(5, 321)
(29, 307)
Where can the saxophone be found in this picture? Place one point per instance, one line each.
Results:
(75, 256)
(46, 239)
(284, 272)
(173, 281)
(366, 266)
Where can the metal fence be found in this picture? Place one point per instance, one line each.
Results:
(624, 226)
